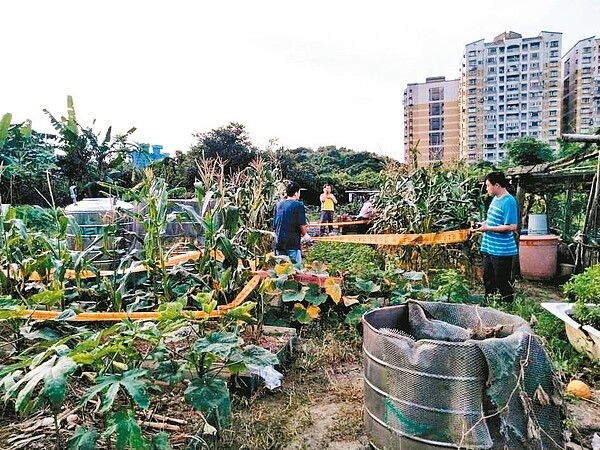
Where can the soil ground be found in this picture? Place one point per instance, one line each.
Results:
(319, 406)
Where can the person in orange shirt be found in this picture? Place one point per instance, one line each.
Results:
(328, 202)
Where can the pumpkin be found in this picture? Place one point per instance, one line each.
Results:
(579, 389)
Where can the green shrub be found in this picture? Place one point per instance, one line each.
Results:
(584, 288)
(36, 218)
(358, 260)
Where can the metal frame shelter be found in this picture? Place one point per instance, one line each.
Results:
(568, 175)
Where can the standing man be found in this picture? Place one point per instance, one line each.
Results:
(498, 246)
(290, 224)
(328, 202)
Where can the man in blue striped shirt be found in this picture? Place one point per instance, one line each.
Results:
(498, 246)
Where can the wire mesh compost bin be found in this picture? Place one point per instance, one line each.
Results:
(102, 229)
(459, 376)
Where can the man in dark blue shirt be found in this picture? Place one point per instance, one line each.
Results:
(290, 224)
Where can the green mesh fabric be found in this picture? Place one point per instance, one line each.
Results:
(521, 384)
(458, 375)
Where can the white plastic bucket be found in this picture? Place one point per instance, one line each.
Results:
(538, 224)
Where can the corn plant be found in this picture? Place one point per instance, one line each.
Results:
(426, 200)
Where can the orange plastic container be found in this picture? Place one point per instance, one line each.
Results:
(537, 256)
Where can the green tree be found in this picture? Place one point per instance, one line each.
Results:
(230, 143)
(26, 157)
(86, 157)
(527, 151)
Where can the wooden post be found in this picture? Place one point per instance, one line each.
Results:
(568, 215)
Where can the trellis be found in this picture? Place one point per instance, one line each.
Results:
(568, 175)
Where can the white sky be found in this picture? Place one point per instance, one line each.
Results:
(309, 73)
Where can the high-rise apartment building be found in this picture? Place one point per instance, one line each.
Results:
(581, 99)
(509, 88)
(431, 120)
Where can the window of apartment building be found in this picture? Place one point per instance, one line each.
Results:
(553, 44)
(524, 57)
(586, 80)
(435, 123)
(436, 94)
(585, 90)
(553, 53)
(472, 53)
(585, 100)
(472, 91)
(523, 69)
(586, 70)
(491, 70)
(472, 129)
(535, 46)
(553, 93)
(501, 59)
(586, 60)
(552, 113)
(472, 109)
(491, 60)
(472, 81)
(436, 153)
(553, 122)
(554, 73)
(436, 109)
(553, 103)
(501, 49)
(587, 50)
(535, 123)
(436, 138)
(524, 47)
(471, 119)
(535, 55)
(534, 114)
(552, 132)
(553, 83)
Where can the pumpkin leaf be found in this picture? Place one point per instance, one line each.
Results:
(333, 289)
(300, 314)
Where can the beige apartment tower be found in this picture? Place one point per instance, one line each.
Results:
(509, 88)
(581, 84)
(431, 121)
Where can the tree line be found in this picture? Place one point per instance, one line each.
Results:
(39, 168)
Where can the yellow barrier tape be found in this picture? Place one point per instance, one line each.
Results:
(443, 237)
